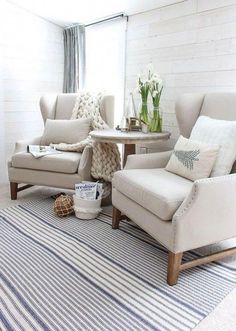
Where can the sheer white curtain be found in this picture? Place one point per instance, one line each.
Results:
(105, 60)
(2, 124)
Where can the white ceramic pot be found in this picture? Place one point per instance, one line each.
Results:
(144, 128)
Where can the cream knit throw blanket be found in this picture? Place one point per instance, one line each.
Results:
(106, 156)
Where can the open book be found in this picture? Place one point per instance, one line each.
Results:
(38, 151)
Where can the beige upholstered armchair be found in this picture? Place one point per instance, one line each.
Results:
(180, 214)
(59, 170)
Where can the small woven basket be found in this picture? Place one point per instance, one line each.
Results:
(86, 209)
(63, 205)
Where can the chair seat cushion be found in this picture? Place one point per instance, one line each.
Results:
(157, 190)
(67, 162)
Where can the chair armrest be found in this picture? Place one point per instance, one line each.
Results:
(85, 163)
(21, 145)
(207, 215)
(148, 161)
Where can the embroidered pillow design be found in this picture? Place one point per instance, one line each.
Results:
(187, 157)
(191, 159)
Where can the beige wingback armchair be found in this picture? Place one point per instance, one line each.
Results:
(180, 214)
(60, 170)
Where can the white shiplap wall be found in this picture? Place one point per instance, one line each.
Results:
(32, 64)
(192, 44)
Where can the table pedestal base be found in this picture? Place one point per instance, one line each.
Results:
(128, 149)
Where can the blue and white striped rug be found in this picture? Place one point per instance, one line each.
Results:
(67, 274)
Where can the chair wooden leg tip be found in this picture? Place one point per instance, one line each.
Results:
(116, 216)
(172, 282)
(14, 190)
(115, 227)
(174, 263)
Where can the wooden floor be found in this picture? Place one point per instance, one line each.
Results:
(223, 318)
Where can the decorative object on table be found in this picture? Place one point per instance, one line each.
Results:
(130, 121)
(124, 124)
(87, 200)
(63, 205)
(129, 124)
(156, 87)
(130, 110)
(144, 127)
(134, 124)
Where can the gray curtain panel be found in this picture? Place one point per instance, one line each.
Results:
(74, 58)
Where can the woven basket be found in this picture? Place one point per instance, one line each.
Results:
(86, 209)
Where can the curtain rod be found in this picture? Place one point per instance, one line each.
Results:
(107, 19)
(100, 21)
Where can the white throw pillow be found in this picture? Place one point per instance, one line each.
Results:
(65, 131)
(191, 159)
(223, 133)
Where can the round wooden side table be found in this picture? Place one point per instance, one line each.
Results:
(128, 139)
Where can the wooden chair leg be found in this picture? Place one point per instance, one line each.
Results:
(14, 190)
(174, 263)
(116, 216)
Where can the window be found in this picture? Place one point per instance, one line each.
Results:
(105, 60)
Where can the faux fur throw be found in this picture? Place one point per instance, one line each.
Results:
(106, 156)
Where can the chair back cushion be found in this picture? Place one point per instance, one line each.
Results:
(214, 131)
(65, 131)
(221, 106)
(60, 106)
(65, 104)
(192, 159)
(215, 105)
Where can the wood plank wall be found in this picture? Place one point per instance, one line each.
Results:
(31, 51)
(192, 44)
